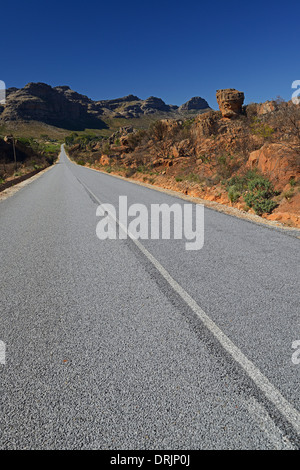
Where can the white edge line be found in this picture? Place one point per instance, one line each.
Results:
(270, 391)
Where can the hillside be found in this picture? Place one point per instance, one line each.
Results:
(244, 156)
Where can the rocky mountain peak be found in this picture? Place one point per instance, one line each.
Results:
(194, 103)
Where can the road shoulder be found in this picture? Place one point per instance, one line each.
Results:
(15, 188)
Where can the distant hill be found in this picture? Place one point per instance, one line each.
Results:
(62, 107)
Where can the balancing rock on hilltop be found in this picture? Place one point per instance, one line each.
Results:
(230, 102)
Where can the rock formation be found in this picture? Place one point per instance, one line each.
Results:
(230, 102)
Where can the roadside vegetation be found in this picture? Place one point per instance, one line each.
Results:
(256, 190)
(207, 155)
(22, 155)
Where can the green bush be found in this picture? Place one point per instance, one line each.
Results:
(233, 193)
(261, 129)
(256, 190)
(187, 124)
(142, 169)
(240, 182)
(259, 194)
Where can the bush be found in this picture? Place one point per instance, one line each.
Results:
(129, 172)
(136, 138)
(288, 194)
(260, 192)
(159, 130)
(194, 178)
(256, 190)
(50, 159)
(240, 182)
(261, 129)
(233, 193)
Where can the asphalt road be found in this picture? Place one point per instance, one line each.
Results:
(115, 344)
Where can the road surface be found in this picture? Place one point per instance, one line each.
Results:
(115, 344)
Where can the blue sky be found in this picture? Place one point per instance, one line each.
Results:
(173, 50)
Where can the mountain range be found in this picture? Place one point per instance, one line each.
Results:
(62, 107)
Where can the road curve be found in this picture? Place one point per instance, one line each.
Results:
(103, 351)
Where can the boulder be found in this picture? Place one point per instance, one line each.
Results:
(230, 102)
(276, 162)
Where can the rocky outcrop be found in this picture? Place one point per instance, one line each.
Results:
(277, 162)
(267, 107)
(230, 102)
(121, 134)
(261, 109)
(206, 124)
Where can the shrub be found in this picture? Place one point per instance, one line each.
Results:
(50, 159)
(256, 190)
(288, 194)
(141, 169)
(261, 129)
(129, 172)
(226, 165)
(233, 193)
(259, 194)
(240, 182)
(158, 129)
(188, 123)
(194, 178)
(136, 138)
